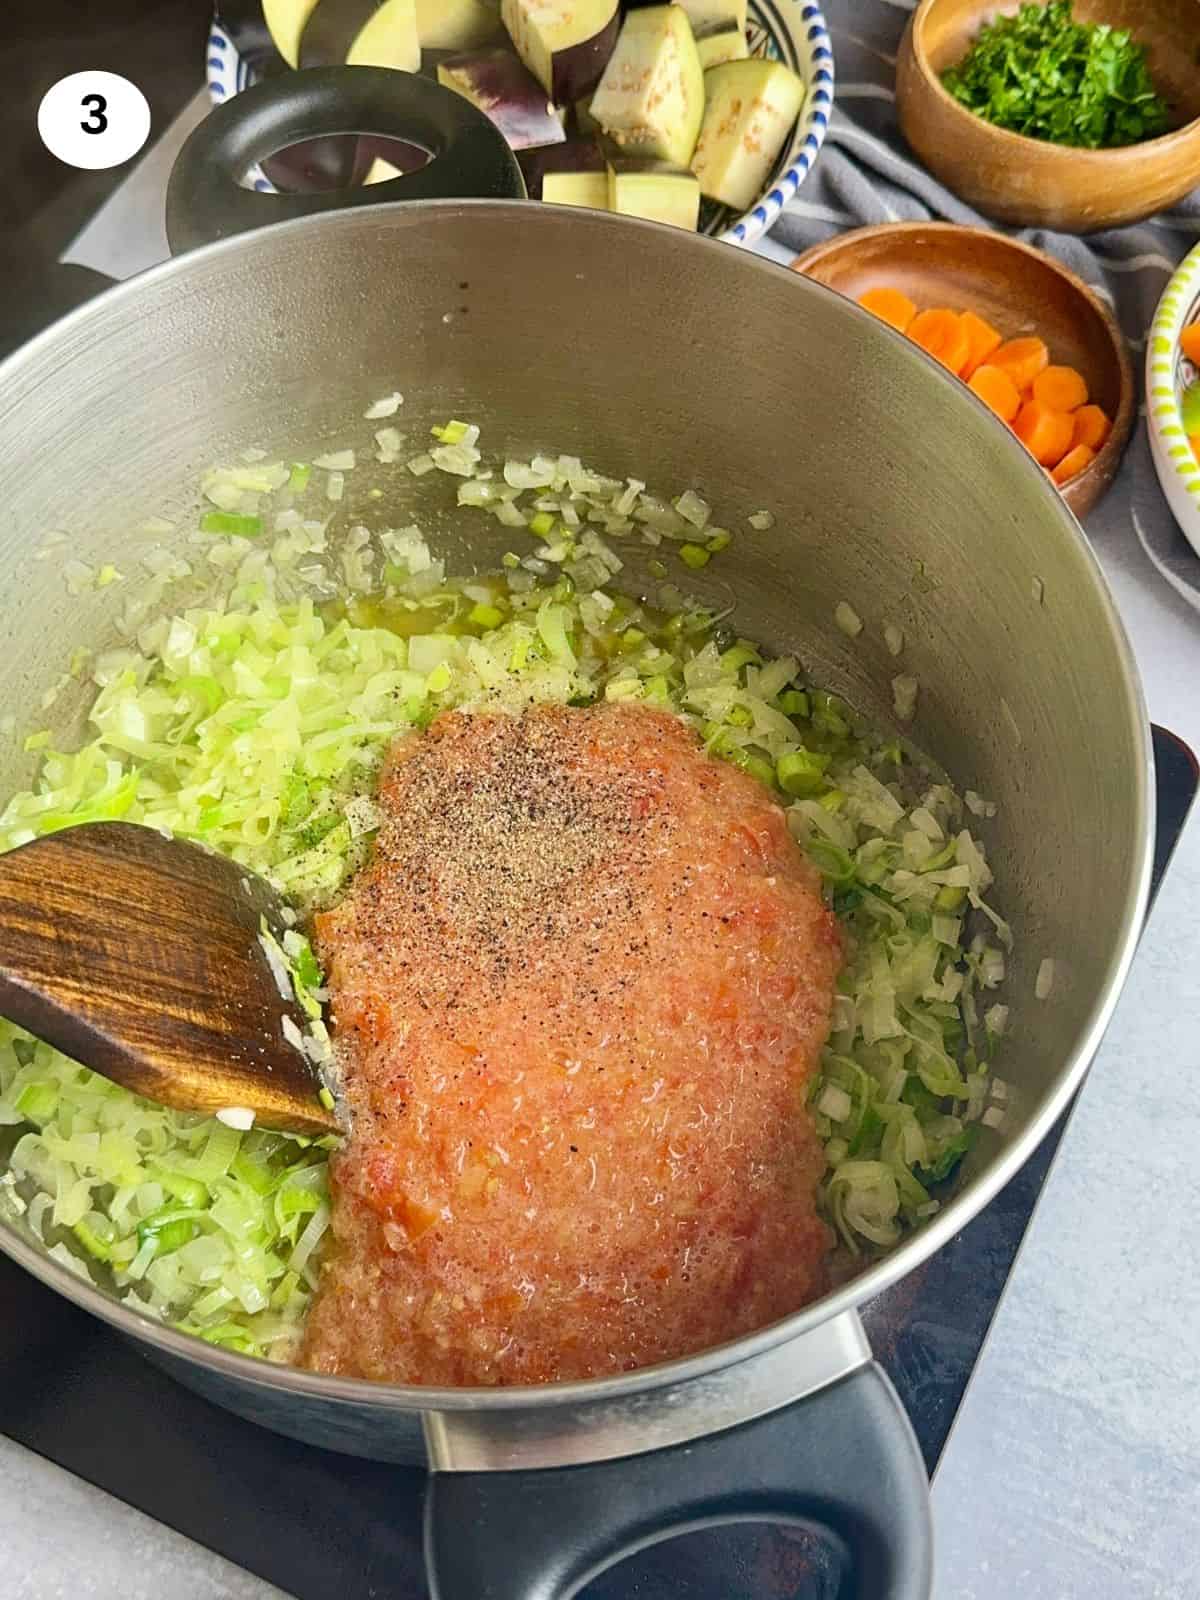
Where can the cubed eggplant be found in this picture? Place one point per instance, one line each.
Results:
(457, 24)
(701, 13)
(381, 171)
(580, 158)
(725, 42)
(496, 82)
(707, 14)
(362, 33)
(651, 97)
(582, 122)
(566, 44)
(286, 21)
(588, 190)
(656, 190)
(389, 158)
(751, 108)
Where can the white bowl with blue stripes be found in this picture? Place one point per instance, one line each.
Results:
(791, 31)
(794, 32)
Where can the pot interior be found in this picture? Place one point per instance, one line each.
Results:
(683, 363)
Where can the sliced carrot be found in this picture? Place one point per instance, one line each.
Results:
(1073, 463)
(996, 389)
(1194, 441)
(1045, 434)
(1092, 427)
(890, 305)
(1189, 343)
(942, 334)
(982, 338)
(1022, 359)
(1061, 388)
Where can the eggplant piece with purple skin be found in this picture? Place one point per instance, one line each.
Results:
(574, 173)
(496, 82)
(572, 155)
(564, 43)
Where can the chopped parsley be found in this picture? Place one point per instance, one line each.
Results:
(1046, 76)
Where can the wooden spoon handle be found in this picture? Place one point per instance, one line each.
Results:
(141, 959)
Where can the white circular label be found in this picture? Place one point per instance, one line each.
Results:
(94, 120)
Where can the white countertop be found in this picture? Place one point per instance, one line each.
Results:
(1074, 1467)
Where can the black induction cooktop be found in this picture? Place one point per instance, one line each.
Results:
(318, 1524)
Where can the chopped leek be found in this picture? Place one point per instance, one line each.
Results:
(245, 527)
(801, 772)
(485, 616)
(259, 722)
(451, 432)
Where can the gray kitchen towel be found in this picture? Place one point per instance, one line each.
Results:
(866, 174)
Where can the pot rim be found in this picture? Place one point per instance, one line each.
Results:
(254, 1372)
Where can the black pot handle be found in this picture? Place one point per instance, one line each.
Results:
(205, 200)
(39, 292)
(842, 1462)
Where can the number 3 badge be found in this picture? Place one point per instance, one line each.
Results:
(94, 120)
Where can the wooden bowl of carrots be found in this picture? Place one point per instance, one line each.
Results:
(1026, 337)
(1035, 182)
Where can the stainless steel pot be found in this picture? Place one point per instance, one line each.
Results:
(684, 362)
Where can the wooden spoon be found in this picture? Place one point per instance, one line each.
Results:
(139, 956)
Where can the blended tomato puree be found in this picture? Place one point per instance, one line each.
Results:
(578, 994)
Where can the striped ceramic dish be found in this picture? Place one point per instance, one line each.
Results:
(791, 31)
(1168, 374)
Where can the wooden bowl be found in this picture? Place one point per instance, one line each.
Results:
(1018, 289)
(1031, 183)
